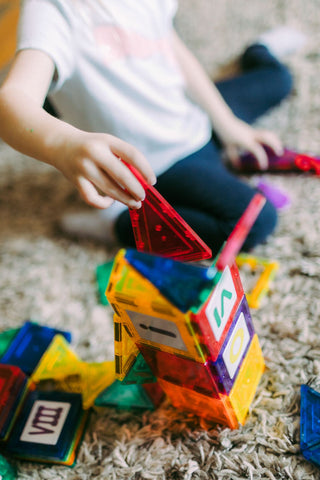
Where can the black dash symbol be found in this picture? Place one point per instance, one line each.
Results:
(158, 330)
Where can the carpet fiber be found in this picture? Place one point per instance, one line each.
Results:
(51, 279)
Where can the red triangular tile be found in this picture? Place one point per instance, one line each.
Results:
(159, 229)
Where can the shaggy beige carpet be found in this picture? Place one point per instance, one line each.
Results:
(51, 279)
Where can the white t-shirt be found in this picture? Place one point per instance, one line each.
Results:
(115, 72)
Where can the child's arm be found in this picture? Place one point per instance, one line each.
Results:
(89, 160)
(234, 133)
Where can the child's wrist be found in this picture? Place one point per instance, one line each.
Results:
(58, 143)
(224, 124)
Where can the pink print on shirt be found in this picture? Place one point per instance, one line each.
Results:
(115, 43)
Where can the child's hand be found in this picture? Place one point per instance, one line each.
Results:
(92, 162)
(243, 138)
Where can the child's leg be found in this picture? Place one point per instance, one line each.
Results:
(209, 198)
(264, 83)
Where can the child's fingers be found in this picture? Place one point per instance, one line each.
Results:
(271, 140)
(254, 148)
(233, 155)
(107, 171)
(134, 157)
(100, 179)
(260, 155)
(124, 183)
(91, 196)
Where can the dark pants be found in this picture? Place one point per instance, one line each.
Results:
(202, 190)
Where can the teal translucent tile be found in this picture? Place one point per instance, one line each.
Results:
(7, 471)
(6, 338)
(103, 272)
(125, 397)
(140, 372)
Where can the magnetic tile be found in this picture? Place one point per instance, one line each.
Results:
(234, 348)
(240, 232)
(123, 396)
(28, 346)
(150, 317)
(181, 283)
(161, 329)
(247, 381)
(103, 273)
(309, 418)
(159, 229)
(58, 361)
(289, 161)
(264, 271)
(6, 338)
(212, 321)
(13, 384)
(212, 409)
(125, 349)
(127, 287)
(181, 371)
(48, 428)
(140, 372)
(90, 381)
(7, 471)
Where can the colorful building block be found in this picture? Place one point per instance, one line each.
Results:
(140, 372)
(178, 282)
(7, 471)
(234, 348)
(148, 315)
(91, 380)
(264, 269)
(28, 346)
(6, 338)
(310, 417)
(238, 235)
(58, 361)
(210, 378)
(126, 285)
(103, 272)
(48, 428)
(159, 229)
(310, 424)
(170, 334)
(134, 396)
(288, 161)
(13, 385)
(181, 371)
(213, 409)
(61, 369)
(213, 319)
(204, 352)
(43, 416)
(191, 324)
(246, 383)
(275, 195)
(95, 377)
(125, 348)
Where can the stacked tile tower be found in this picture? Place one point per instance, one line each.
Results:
(191, 326)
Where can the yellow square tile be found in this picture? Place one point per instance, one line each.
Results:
(247, 381)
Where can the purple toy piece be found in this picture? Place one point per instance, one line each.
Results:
(234, 348)
(277, 197)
